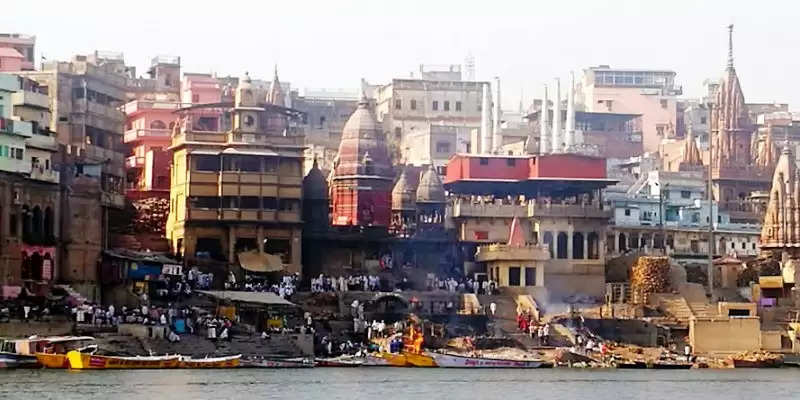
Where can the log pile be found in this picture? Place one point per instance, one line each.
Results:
(151, 215)
(649, 275)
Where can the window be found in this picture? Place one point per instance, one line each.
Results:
(435, 105)
(289, 204)
(398, 133)
(398, 104)
(251, 202)
(754, 245)
(458, 106)
(269, 203)
(206, 163)
(511, 162)
(703, 120)
(204, 202)
(441, 170)
(627, 212)
(413, 104)
(447, 105)
(12, 224)
(660, 130)
(665, 193)
(158, 125)
(530, 276)
(230, 202)
(195, 98)
(442, 147)
(609, 104)
(321, 121)
(481, 235)
(484, 161)
(514, 276)
(249, 164)
(270, 165)
(663, 103)
(685, 194)
(744, 245)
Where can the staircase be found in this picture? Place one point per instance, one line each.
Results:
(673, 305)
(72, 293)
(470, 304)
(504, 322)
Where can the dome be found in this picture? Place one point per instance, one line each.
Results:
(363, 143)
(430, 189)
(315, 187)
(403, 194)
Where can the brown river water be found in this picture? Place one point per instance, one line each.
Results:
(401, 383)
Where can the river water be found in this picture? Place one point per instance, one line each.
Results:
(401, 383)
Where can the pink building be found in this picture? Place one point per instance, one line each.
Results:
(16, 52)
(148, 133)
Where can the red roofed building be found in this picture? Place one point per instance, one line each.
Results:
(361, 186)
(10, 59)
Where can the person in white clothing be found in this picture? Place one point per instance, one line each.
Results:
(493, 308)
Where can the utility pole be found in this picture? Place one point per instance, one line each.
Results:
(710, 203)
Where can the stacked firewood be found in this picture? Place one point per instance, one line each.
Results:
(649, 275)
(151, 215)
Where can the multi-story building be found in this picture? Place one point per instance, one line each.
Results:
(17, 52)
(149, 121)
(29, 190)
(557, 199)
(409, 108)
(85, 96)
(649, 93)
(325, 111)
(236, 182)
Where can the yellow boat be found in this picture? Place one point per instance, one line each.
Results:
(54, 353)
(57, 361)
(78, 360)
(217, 362)
(419, 360)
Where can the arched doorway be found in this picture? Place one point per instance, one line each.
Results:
(38, 224)
(622, 243)
(49, 225)
(561, 246)
(548, 241)
(593, 245)
(577, 246)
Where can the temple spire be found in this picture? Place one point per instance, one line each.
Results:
(730, 46)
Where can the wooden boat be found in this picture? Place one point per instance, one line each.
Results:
(420, 360)
(213, 362)
(277, 363)
(339, 362)
(458, 361)
(763, 363)
(654, 365)
(54, 354)
(78, 360)
(375, 361)
(13, 360)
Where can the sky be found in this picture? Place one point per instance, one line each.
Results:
(333, 44)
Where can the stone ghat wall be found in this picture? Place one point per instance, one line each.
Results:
(25, 329)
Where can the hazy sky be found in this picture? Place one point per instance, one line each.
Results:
(334, 43)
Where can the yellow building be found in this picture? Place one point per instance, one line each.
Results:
(236, 182)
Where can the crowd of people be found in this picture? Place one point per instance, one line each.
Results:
(462, 285)
(540, 333)
(285, 287)
(366, 283)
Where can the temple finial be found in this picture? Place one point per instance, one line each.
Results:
(730, 46)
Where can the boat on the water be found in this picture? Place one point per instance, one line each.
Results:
(339, 362)
(209, 362)
(13, 360)
(277, 363)
(78, 360)
(638, 364)
(53, 353)
(763, 363)
(458, 361)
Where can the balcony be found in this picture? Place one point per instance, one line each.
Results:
(132, 135)
(135, 106)
(39, 173)
(540, 210)
(30, 99)
(14, 127)
(101, 154)
(105, 111)
(463, 208)
(43, 142)
(134, 162)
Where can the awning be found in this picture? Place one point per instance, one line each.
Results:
(256, 261)
(267, 298)
(770, 282)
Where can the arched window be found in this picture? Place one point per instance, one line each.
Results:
(157, 124)
(561, 246)
(548, 241)
(593, 246)
(49, 224)
(38, 224)
(27, 226)
(577, 246)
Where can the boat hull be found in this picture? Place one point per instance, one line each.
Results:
(203, 363)
(55, 361)
(79, 360)
(276, 364)
(335, 363)
(455, 361)
(11, 360)
(771, 363)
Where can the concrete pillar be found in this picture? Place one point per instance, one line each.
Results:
(297, 253)
(544, 133)
(260, 239)
(616, 242)
(569, 243)
(555, 143)
(585, 245)
(231, 244)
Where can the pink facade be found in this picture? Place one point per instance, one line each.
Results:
(10, 60)
(148, 133)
